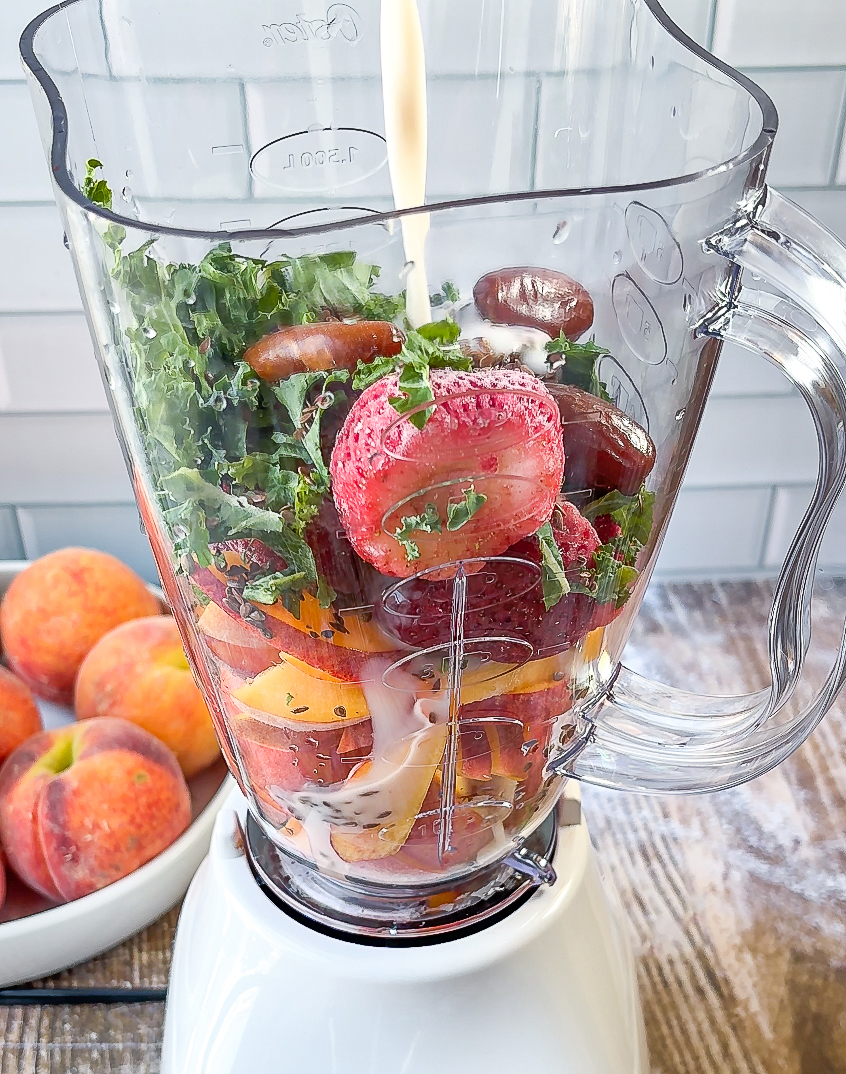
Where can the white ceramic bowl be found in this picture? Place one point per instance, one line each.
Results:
(38, 938)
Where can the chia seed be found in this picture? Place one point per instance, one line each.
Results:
(381, 816)
(299, 709)
(339, 710)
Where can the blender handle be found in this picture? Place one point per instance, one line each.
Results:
(641, 735)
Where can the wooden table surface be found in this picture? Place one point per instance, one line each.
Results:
(736, 901)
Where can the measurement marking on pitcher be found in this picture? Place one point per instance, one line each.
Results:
(320, 157)
(456, 669)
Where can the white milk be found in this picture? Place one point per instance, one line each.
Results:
(404, 102)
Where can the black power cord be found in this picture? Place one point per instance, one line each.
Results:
(31, 997)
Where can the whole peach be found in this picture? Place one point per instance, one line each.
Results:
(56, 610)
(138, 672)
(86, 804)
(19, 715)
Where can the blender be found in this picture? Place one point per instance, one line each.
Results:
(407, 315)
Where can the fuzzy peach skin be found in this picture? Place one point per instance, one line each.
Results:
(138, 672)
(19, 715)
(86, 804)
(56, 610)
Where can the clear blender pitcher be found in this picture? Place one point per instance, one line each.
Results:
(405, 546)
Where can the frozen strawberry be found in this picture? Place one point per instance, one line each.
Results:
(577, 540)
(510, 605)
(607, 529)
(336, 561)
(483, 471)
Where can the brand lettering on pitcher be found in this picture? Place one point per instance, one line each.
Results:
(342, 21)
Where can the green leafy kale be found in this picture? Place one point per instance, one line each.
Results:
(459, 514)
(273, 587)
(579, 368)
(427, 522)
(553, 577)
(96, 190)
(232, 455)
(613, 572)
(447, 296)
(209, 515)
(633, 514)
(432, 346)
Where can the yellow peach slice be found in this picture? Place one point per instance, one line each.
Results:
(493, 679)
(358, 633)
(592, 645)
(301, 696)
(391, 792)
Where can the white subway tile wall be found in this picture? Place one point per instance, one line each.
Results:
(751, 474)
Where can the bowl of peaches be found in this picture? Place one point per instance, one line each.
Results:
(110, 771)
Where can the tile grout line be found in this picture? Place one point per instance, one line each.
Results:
(535, 136)
(712, 26)
(768, 523)
(838, 143)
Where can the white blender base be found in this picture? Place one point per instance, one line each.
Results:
(550, 988)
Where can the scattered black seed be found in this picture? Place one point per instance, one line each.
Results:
(339, 710)
(314, 634)
(339, 624)
(365, 794)
(300, 708)
(367, 826)
(358, 812)
(381, 816)
(559, 675)
(527, 767)
(327, 634)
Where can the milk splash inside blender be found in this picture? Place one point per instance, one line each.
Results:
(405, 451)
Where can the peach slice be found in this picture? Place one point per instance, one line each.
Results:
(356, 630)
(592, 645)
(492, 679)
(278, 756)
(350, 664)
(234, 643)
(302, 696)
(389, 793)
